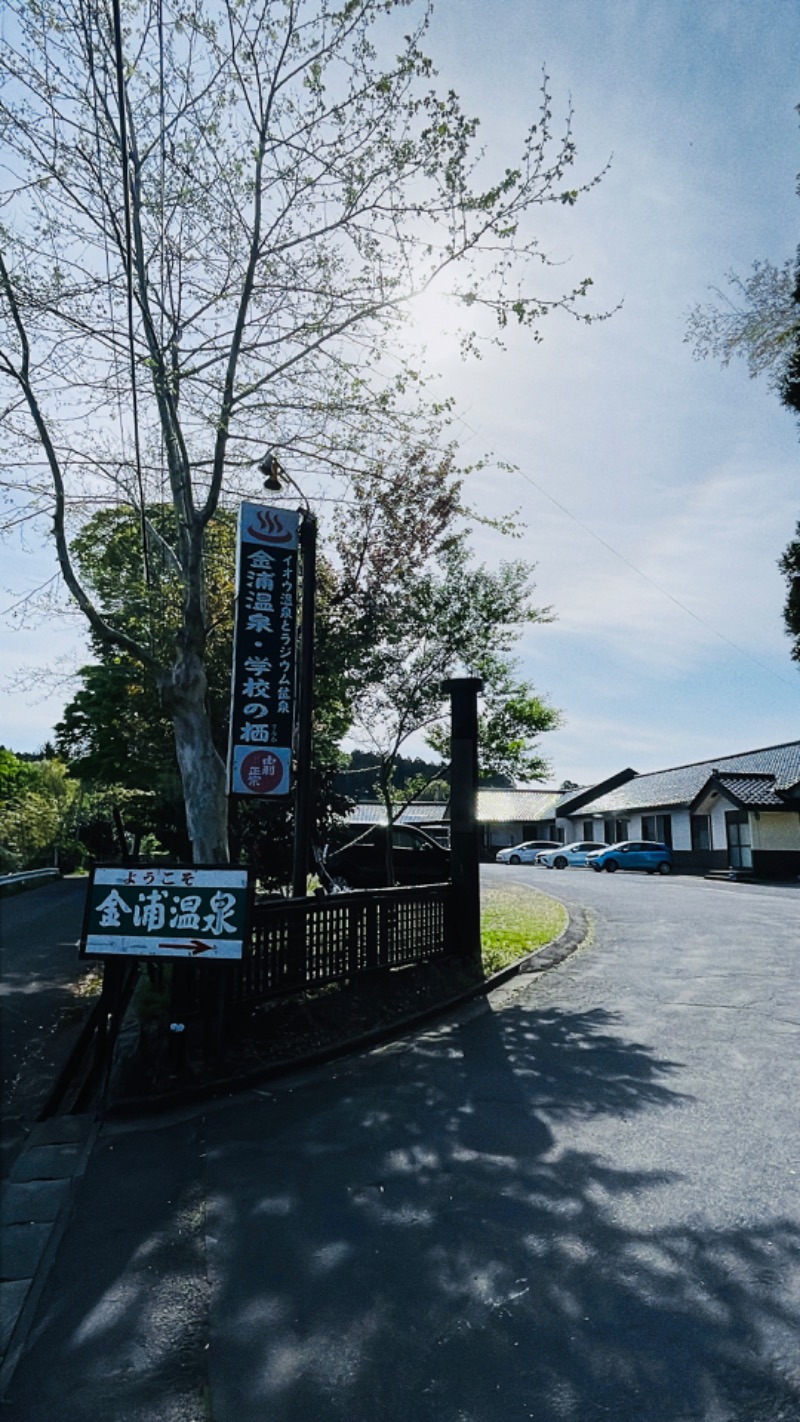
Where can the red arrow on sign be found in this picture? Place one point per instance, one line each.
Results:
(196, 946)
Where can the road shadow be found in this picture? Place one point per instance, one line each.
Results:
(419, 1234)
(425, 1243)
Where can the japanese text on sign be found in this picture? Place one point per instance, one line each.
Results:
(166, 912)
(263, 681)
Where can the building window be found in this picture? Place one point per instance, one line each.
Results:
(701, 833)
(588, 829)
(615, 830)
(658, 827)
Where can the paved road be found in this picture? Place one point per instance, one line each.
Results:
(39, 1006)
(578, 1201)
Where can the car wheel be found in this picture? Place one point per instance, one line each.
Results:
(560, 862)
(664, 867)
(612, 866)
(598, 868)
(514, 859)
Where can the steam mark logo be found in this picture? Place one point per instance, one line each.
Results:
(271, 528)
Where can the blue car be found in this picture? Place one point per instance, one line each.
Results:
(644, 854)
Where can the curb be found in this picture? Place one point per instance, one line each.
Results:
(37, 1201)
(541, 960)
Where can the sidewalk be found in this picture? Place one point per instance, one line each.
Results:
(34, 1210)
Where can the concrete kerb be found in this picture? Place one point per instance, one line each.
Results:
(36, 1206)
(577, 932)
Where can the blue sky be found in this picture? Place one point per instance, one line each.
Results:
(688, 471)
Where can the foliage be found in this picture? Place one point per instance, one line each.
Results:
(790, 567)
(214, 220)
(764, 329)
(789, 563)
(449, 615)
(756, 320)
(358, 777)
(116, 730)
(37, 798)
(399, 604)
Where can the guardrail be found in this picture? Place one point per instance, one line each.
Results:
(27, 876)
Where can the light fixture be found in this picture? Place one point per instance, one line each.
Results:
(272, 469)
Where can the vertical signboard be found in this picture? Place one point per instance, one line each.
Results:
(263, 683)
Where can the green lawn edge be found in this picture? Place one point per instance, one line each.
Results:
(515, 921)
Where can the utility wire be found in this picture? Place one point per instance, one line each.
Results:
(682, 605)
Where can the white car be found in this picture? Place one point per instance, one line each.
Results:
(568, 854)
(524, 853)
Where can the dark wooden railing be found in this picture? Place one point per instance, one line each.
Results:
(297, 944)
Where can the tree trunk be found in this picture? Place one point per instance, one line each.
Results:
(202, 769)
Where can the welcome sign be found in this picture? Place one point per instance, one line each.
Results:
(166, 912)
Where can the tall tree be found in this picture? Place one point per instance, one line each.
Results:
(754, 319)
(789, 563)
(760, 323)
(451, 615)
(401, 605)
(215, 215)
(758, 320)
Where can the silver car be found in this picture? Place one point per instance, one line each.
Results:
(568, 854)
(525, 853)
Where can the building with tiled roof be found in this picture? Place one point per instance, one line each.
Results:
(739, 812)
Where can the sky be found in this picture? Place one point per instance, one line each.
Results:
(655, 493)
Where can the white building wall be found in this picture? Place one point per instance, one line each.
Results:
(681, 829)
(719, 837)
(775, 829)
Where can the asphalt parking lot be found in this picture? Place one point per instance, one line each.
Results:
(635, 890)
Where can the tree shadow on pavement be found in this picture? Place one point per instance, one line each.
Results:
(469, 1226)
(420, 1239)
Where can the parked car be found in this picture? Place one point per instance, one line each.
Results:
(646, 854)
(565, 855)
(525, 853)
(358, 857)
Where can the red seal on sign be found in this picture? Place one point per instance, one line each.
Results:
(262, 772)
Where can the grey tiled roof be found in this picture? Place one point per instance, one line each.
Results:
(501, 806)
(757, 790)
(424, 812)
(681, 785)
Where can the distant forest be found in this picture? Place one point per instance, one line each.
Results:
(358, 780)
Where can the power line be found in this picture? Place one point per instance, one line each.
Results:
(646, 576)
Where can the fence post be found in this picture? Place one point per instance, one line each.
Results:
(464, 855)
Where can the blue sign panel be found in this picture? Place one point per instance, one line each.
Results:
(265, 637)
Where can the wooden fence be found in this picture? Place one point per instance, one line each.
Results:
(298, 944)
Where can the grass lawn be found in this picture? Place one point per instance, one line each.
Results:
(514, 921)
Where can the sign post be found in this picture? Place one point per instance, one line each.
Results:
(262, 721)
